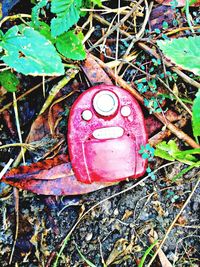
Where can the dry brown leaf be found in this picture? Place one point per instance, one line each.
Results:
(120, 252)
(157, 206)
(127, 214)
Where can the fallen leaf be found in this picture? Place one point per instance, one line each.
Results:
(121, 251)
(94, 72)
(50, 177)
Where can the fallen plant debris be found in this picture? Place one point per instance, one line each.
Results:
(52, 52)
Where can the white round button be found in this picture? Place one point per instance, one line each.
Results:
(105, 103)
(87, 115)
(125, 111)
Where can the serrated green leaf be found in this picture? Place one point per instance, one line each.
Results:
(67, 12)
(9, 80)
(69, 45)
(36, 11)
(184, 52)
(29, 52)
(196, 115)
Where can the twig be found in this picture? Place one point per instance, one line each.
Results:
(27, 146)
(43, 86)
(171, 32)
(179, 133)
(141, 31)
(176, 96)
(17, 123)
(187, 12)
(173, 223)
(15, 190)
(16, 196)
(110, 64)
(117, 37)
(103, 21)
(6, 167)
(13, 17)
(25, 94)
(116, 26)
(108, 33)
(88, 34)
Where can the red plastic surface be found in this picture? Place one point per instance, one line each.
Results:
(108, 159)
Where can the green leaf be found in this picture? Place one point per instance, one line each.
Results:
(171, 152)
(184, 52)
(97, 2)
(163, 154)
(89, 263)
(67, 12)
(29, 52)
(184, 171)
(147, 252)
(196, 115)
(9, 81)
(44, 29)
(36, 11)
(1, 34)
(70, 45)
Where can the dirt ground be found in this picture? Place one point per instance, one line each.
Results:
(117, 231)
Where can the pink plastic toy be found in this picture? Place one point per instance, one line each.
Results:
(105, 132)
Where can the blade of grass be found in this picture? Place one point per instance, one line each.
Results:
(84, 258)
(147, 252)
(184, 171)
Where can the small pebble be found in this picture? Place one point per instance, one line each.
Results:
(116, 212)
(88, 237)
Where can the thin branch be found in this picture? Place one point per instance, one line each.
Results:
(114, 28)
(14, 17)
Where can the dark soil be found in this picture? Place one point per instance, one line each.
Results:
(125, 219)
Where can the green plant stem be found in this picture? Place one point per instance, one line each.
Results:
(184, 100)
(147, 253)
(24, 145)
(70, 74)
(188, 152)
(191, 2)
(187, 12)
(89, 263)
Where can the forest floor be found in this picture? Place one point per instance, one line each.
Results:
(135, 220)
